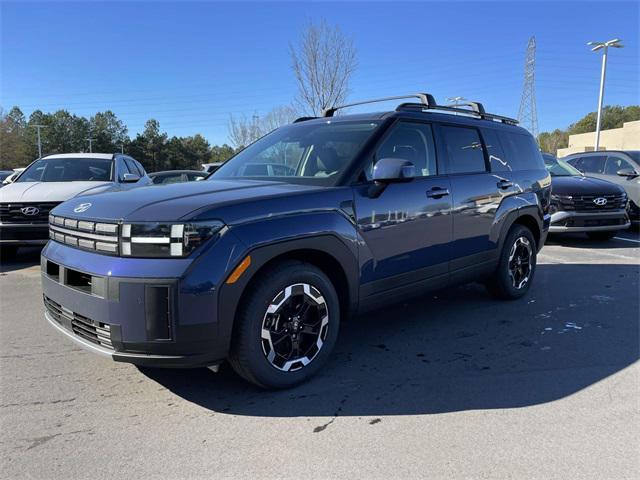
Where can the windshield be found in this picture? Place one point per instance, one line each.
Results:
(314, 153)
(559, 168)
(68, 170)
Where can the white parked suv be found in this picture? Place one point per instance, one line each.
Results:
(48, 181)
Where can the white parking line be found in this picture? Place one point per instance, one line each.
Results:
(627, 239)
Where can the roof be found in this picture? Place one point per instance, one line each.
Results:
(104, 156)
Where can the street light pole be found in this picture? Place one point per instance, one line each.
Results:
(38, 127)
(604, 46)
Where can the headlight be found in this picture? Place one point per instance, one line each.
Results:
(561, 198)
(161, 239)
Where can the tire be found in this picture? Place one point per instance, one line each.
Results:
(510, 281)
(602, 236)
(267, 327)
(8, 252)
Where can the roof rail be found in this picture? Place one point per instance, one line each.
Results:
(426, 101)
(475, 109)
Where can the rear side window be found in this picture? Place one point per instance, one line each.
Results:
(593, 164)
(521, 151)
(464, 149)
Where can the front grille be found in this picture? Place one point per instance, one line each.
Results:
(86, 235)
(585, 203)
(95, 332)
(26, 212)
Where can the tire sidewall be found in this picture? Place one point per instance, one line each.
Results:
(265, 373)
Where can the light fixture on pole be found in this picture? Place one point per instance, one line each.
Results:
(604, 46)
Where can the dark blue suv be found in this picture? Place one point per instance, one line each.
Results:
(310, 225)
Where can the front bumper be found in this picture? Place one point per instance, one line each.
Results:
(568, 221)
(149, 312)
(23, 234)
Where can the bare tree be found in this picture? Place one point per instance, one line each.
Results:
(323, 63)
(278, 117)
(244, 131)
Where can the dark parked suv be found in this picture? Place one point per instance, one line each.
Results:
(313, 223)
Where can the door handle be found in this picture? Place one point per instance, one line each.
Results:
(504, 184)
(437, 192)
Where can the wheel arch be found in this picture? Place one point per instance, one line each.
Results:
(326, 252)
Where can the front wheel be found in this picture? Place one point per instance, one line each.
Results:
(286, 327)
(517, 265)
(602, 236)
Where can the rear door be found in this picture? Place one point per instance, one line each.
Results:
(476, 195)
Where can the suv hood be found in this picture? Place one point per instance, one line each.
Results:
(176, 201)
(583, 186)
(49, 191)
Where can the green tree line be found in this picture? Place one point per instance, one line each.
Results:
(64, 132)
(613, 116)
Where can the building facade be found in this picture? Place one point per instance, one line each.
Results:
(625, 138)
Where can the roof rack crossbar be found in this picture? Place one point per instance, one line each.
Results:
(426, 99)
(475, 109)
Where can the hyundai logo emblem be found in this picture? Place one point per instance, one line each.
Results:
(31, 211)
(83, 207)
(600, 201)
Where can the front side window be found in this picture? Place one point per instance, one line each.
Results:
(410, 141)
(464, 149)
(314, 153)
(615, 164)
(69, 170)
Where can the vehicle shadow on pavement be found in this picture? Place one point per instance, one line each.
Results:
(26, 257)
(454, 351)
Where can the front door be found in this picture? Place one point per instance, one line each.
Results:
(406, 230)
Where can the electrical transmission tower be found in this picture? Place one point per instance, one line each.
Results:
(528, 113)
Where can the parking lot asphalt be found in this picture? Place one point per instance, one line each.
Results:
(454, 385)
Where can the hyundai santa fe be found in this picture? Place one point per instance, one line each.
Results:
(312, 224)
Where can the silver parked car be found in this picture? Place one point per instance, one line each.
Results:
(48, 181)
(618, 166)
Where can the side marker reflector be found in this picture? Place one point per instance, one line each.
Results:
(240, 269)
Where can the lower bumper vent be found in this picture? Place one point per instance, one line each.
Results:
(90, 330)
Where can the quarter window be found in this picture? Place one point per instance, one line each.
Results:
(521, 151)
(464, 150)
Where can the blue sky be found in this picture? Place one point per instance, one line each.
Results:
(190, 65)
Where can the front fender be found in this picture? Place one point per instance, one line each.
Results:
(329, 232)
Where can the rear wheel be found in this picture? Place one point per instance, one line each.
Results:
(286, 326)
(602, 236)
(517, 265)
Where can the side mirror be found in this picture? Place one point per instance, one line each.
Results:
(130, 178)
(390, 170)
(627, 172)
